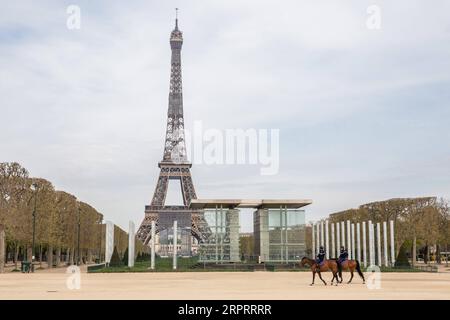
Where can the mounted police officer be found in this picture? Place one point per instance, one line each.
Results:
(343, 256)
(320, 256)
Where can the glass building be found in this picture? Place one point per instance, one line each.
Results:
(220, 236)
(279, 234)
(278, 229)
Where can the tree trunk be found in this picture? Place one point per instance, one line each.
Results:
(428, 253)
(50, 257)
(40, 256)
(29, 253)
(58, 256)
(438, 254)
(2, 249)
(7, 250)
(413, 262)
(14, 251)
(89, 256)
(68, 255)
(72, 251)
(16, 255)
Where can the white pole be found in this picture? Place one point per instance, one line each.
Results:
(327, 242)
(332, 239)
(313, 241)
(318, 237)
(378, 244)
(321, 233)
(175, 244)
(386, 262)
(338, 239)
(131, 241)
(369, 224)
(392, 243)
(374, 261)
(364, 241)
(152, 244)
(349, 241)
(353, 241)
(343, 233)
(109, 242)
(372, 230)
(358, 242)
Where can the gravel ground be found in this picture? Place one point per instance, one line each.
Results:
(51, 284)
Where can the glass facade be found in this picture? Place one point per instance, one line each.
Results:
(279, 234)
(221, 236)
(165, 223)
(183, 242)
(286, 235)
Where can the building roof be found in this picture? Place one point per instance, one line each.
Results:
(248, 203)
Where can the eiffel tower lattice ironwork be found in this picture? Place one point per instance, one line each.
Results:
(175, 164)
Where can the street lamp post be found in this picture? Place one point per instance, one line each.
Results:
(34, 187)
(79, 227)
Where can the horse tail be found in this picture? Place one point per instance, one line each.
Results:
(358, 268)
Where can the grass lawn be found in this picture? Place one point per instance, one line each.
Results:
(161, 264)
(191, 264)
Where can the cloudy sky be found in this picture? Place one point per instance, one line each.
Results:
(363, 114)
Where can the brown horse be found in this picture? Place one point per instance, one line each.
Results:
(351, 265)
(327, 265)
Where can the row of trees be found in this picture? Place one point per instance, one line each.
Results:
(418, 221)
(121, 244)
(61, 223)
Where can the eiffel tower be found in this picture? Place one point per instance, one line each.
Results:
(175, 164)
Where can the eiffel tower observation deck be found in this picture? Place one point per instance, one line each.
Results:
(174, 165)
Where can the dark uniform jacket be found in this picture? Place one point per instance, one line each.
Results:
(343, 256)
(320, 256)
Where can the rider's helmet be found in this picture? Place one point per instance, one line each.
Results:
(321, 248)
(342, 249)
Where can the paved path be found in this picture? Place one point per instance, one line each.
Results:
(218, 285)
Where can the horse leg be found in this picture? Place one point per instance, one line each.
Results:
(320, 276)
(314, 276)
(334, 271)
(362, 276)
(351, 276)
(358, 269)
(339, 272)
(335, 275)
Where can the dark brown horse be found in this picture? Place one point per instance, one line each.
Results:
(351, 265)
(327, 265)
